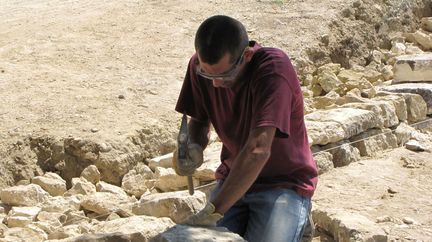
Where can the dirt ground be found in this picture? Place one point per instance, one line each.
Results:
(101, 70)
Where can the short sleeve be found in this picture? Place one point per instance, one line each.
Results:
(191, 96)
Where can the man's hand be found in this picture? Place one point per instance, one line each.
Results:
(206, 217)
(194, 160)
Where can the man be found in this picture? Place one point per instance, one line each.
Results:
(252, 97)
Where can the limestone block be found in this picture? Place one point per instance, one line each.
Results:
(134, 183)
(175, 205)
(349, 75)
(181, 233)
(51, 216)
(413, 49)
(385, 110)
(398, 102)
(413, 68)
(75, 217)
(106, 202)
(352, 121)
(328, 81)
(167, 180)
(324, 161)
(62, 204)
(324, 132)
(348, 226)
(416, 107)
(403, 133)
(51, 182)
(372, 75)
(24, 195)
(48, 227)
(24, 234)
(330, 68)
(398, 48)
(343, 154)
(423, 38)
(377, 140)
(387, 72)
(21, 216)
(422, 89)
(426, 24)
(91, 174)
(164, 161)
(141, 228)
(115, 164)
(206, 172)
(81, 186)
(106, 187)
(68, 231)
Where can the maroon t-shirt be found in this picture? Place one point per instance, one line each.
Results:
(267, 94)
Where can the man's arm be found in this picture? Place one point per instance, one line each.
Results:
(246, 168)
(199, 132)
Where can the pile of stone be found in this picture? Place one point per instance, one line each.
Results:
(347, 106)
(93, 210)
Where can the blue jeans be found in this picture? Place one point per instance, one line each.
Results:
(275, 215)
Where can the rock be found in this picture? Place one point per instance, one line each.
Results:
(348, 226)
(352, 121)
(350, 76)
(134, 184)
(408, 220)
(426, 24)
(403, 133)
(329, 68)
(416, 107)
(24, 195)
(23, 234)
(324, 161)
(385, 111)
(103, 203)
(81, 186)
(373, 141)
(140, 228)
(52, 183)
(164, 161)
(68, 231)
(21, 216)
(387, 72)
(106, 187)
(423, 38)
(398, 102)
(167, 180)
(91, 174)
(206, 172)
(328, 81)
(61, 204)
(414, 145)
(324, 132)
(422, 89)
(180, 233)
(343, 154)
(398, 48)
(51, 216)
(413, 68)
(175, 205)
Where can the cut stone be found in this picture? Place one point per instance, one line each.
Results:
(413, 68)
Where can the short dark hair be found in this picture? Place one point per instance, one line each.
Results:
(218, 35)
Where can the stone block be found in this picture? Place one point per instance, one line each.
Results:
(422, 89)
(413, 68)
(348, 226)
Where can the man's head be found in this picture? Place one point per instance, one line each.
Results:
(221, 43)
(219, 35)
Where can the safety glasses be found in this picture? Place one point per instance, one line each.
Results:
(226, 76)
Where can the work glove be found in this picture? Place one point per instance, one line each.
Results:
(194, 160)
(206, 217)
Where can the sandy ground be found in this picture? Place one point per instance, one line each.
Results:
(103, 69)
